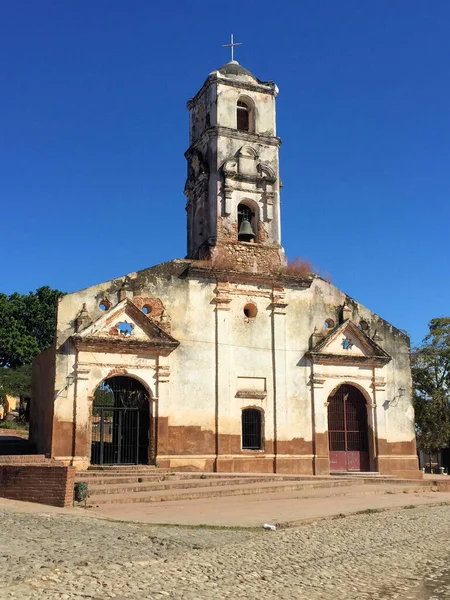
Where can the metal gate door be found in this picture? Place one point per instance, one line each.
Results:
(347, 430)
(120, 423)
(115, 436)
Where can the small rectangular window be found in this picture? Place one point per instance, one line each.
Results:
(251, 429)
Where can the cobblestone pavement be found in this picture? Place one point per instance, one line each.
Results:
(401, 554)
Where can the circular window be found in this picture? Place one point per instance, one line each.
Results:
(105, 305)
(364, 325)
(329, 324)
(147, 309)
(250, 310)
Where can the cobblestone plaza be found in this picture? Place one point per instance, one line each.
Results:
(400, 554)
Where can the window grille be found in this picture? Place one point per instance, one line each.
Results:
(251, 429)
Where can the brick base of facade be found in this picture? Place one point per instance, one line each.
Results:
(46, 484)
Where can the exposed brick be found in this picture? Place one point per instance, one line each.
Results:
(46, 484)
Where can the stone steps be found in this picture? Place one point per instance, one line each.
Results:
(361, 475)
(99, 479)
(174, 484)
(195, 492)
(147, 483)
(189, 489)
(124, 468)
(119, 479)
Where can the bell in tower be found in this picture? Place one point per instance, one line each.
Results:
(245, 231)
(233, 184)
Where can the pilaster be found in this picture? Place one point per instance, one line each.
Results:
(319, 414)
(376, 417)
(280, 406)
(222, 301)
(160, 409)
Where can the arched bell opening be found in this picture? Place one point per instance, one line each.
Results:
(245, 114)
(247, 223)
(120, 422)
(348, 435)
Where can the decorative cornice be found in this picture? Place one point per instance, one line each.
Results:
(222, 303)
(81, 373)
(213, 79)
(333, 359)
(278, 307)
(316, 380)
(196, 271)
(378, 384)
(162, 373)
(229, 132)
(257, 179)
(253, 394)
(347, 376)
(124, 346)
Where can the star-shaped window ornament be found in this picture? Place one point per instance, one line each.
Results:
(347, 344)
(124, 328)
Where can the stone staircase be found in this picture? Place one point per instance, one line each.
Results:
(130, 484)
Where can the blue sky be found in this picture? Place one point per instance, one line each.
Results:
(94, 126)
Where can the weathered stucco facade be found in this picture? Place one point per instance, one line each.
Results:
(227, 334)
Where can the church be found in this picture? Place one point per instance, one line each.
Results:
(231, 359)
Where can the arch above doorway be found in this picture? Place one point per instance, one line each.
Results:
(120, 422)
(348, 430)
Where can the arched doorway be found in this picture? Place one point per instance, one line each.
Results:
(347, 430)
(120, 422)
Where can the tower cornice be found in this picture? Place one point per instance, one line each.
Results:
(266, 88)
(245, 136)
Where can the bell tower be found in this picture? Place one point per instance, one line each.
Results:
(233, 183)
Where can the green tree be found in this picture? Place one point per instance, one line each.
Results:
(431, 379)
(15, 382)
(27, 325)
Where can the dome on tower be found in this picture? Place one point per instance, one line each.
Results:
(233, 70)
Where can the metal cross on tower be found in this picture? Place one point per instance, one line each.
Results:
(231, 45)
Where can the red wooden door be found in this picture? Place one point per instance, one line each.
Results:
(347, 430)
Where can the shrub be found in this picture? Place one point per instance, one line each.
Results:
(299, 268)
(81, 491)
(13, 425)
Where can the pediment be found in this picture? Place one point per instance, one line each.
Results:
(126, 328)
(245, 165)
(248, 152)
(348, 344)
